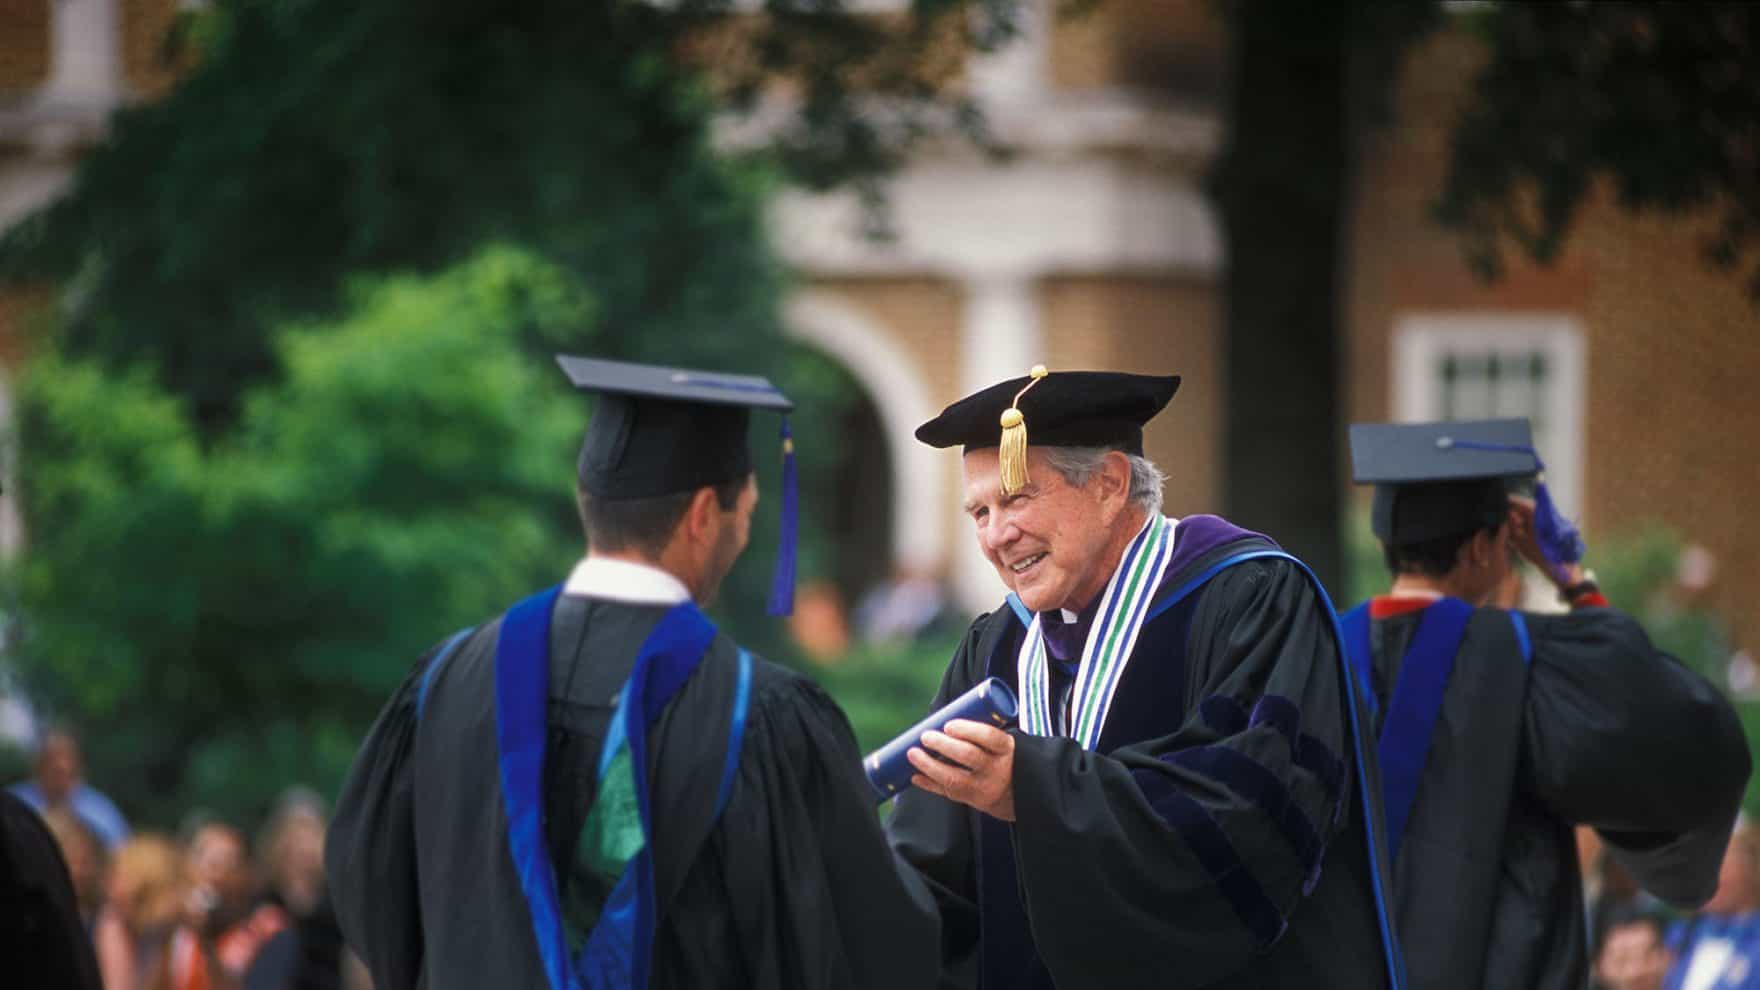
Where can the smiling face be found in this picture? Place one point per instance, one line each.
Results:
(1053, 544)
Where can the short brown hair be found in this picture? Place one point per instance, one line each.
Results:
(644, 525)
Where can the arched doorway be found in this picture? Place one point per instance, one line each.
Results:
(901, 400)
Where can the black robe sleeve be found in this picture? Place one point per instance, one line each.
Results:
(818, 898)
(43, 942)
(370, 849)
(1622, 737)
(1172, 862)
(935, 835)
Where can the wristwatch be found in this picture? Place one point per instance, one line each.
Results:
(1573, 592)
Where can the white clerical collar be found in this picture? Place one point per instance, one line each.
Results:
(625, 581)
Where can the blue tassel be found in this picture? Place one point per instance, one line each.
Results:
(1560, 543)
(782, 583)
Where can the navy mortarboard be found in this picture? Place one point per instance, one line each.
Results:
(659, 430)
(1061, 409)
(1441, 479)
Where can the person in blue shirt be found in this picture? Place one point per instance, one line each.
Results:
(59, 783)
(1720, 948)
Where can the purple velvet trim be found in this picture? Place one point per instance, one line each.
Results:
(1197, 536)
(1064, 640)
(1194, 537)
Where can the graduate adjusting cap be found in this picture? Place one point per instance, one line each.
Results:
(661, 431)
(1427, 486)
(1052, 409)
(1441, 479)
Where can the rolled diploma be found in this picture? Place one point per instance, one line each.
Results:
(888, 769)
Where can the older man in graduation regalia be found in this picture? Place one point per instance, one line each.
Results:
(1184, 802)
(597, 788)
(1500, 730)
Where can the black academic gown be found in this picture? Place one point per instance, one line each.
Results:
(1214, 840)
(793, 887)
(43, 943)
(1598, 728)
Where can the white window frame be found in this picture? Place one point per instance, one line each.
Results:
(1422, 339)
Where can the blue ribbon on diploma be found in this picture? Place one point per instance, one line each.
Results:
(889, 771)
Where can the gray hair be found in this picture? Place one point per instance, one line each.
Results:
(1078, 464)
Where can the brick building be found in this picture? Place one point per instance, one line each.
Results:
(1094, 247)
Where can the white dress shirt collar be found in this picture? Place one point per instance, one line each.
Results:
(625, 581)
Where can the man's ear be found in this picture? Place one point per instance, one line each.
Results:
(1484, 546)
(702, 520)
(1114, 479)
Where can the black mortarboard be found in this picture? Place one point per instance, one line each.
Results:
(660, 431)
(1440, 479)
(1052, 409)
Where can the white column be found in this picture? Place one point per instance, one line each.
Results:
(1003, 338)
(85, 45)
(1016, 74)
(868, 351)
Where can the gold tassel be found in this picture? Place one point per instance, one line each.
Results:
(1012, 455)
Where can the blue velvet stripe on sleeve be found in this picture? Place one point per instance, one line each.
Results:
(1223, 715)
(1218, 857)
(1227, 717)
(1256, 783)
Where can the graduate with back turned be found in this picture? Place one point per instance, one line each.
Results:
(1184, 804)
(600, 789)
(1501, 730)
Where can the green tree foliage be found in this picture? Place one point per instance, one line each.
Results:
(255, 493)
(1661, 99)
(226, 617)
(320, 138)
(225, 620)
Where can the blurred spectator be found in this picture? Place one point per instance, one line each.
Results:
(85, 859)
(42, 942)
(145, 900)
(58, 784)
(1613, 893)
(226, 922)
(1632, 954)
(290, 850)
(310, 954)
(1720, 948)
(818, 623)
(902, 609)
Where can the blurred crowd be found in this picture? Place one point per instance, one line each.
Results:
(1639, 944)
(205, 909)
